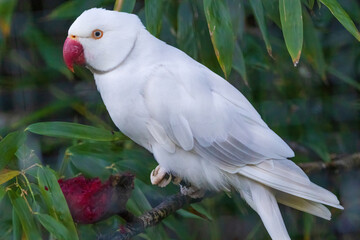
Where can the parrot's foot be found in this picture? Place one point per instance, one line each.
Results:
(160, 177)
(192, 191)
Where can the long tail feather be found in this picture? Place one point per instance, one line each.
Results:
(304, 205)
(263, 201)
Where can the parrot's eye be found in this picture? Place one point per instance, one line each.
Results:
(97, 34)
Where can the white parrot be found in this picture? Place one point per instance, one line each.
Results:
(198, 126)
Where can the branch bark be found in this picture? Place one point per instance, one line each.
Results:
(154, 216)
(175, 202)
(344, 163)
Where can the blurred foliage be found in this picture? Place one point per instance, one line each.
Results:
(254, 44)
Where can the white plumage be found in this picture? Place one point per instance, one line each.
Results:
(197, 125)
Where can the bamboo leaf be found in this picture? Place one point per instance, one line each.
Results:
(124, 5)
(258, 10)
(292, 27)
(271, 8)
(73, 130)
(239, 63)
(2, 192)
(185, 30)
(7, 175)
(344, 78)
(221, 33)
(312, 46)
(25, 216)
(54, 226)
(341, 15)
(16, 224)
(6, 12)
(55, 200)
(153, 15)
(9, 145)
(203, 40)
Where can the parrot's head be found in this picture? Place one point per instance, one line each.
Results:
(100, 39)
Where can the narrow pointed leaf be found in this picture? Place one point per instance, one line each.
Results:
(2, 192)
(153, 15)
(9, 145)
(54, 226)
(237, 15)
(271, 8)
(16, 224)
(312, 46)
(73, 130)
(55, 200)
(292, 27)
(343, 77)
(341, 15)
(239, 63)
(221, 33)
(124, 5)
(7, 175)
(258, 10)
(185, 30)
(7, 8)
(25, 216)
(205, 47)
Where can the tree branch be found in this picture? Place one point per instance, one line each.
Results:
(343, 163)
(154, 216)
(175, 202)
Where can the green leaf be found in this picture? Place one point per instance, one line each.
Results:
(55, 200)
(271, 8)
(221, 34)
(9, 145)
(88, 162)
(311, 3)
(292, 27)
(344, 78)
(25, 216)
(73, 130)
(2, 192)
(203, 40)
(199, 207)
(341, 15)
(124, 5)
(54, 226)
(187, 214)
(237, 14)
(72, 9)
(7, 175)
(6, 12)
(50, 52)
(312, 46)
(153, 15)
(239, 63)
(258, 10)
(16, 224)
(185, 29)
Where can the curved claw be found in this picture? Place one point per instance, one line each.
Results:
(160, 177)
(192, 191)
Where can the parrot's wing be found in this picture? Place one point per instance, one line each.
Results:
(197, 110)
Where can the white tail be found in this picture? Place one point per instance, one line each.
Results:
(272, 181)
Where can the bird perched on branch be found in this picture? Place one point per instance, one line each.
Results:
(198, 126)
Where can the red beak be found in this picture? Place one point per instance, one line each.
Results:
(73, 53)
